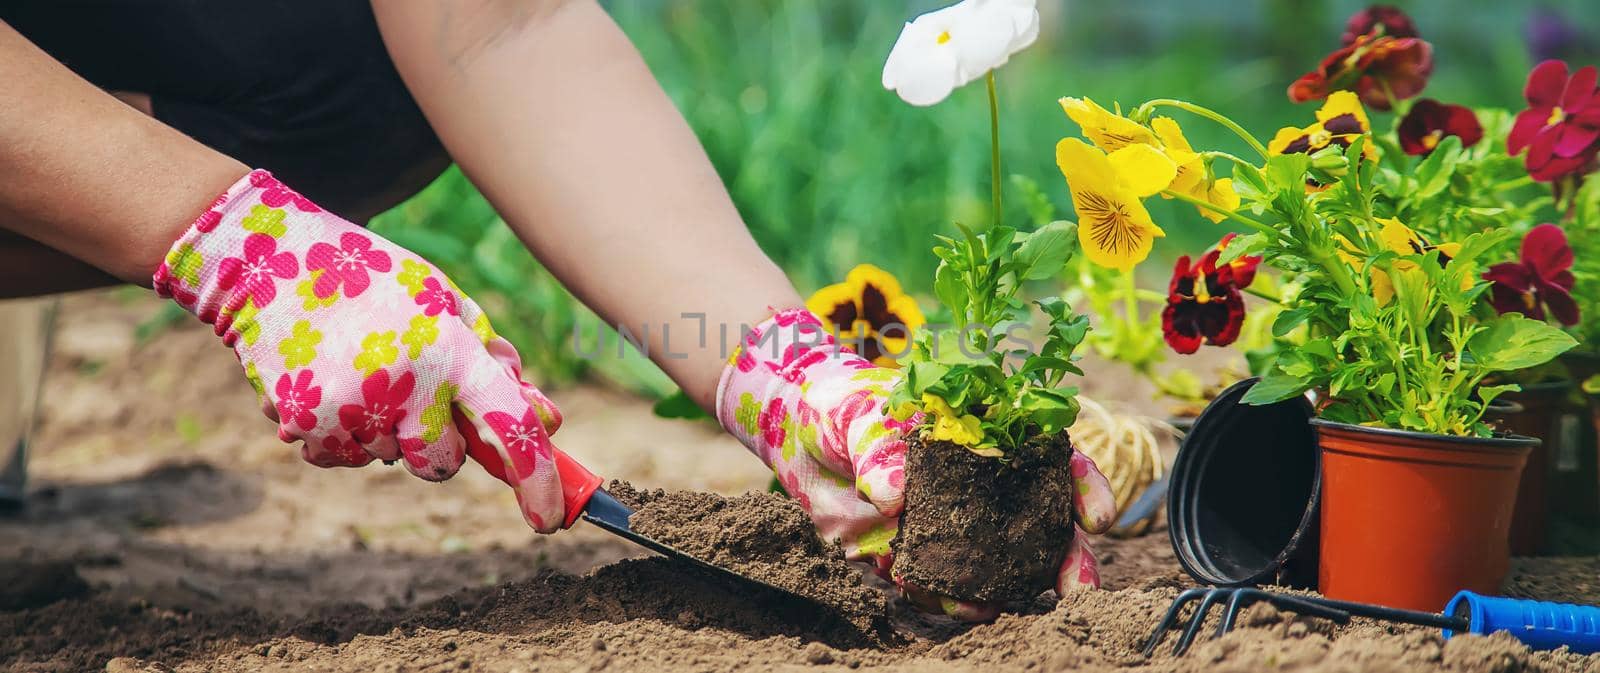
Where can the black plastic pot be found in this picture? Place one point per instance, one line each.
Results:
(1242, 507)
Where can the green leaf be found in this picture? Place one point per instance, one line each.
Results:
(949, 288)
(678, 405)
(1242, 245)
(1051, 409)
(1487, 394)
(1433, 174)
(1288, 171)
(1513, 342)
(1275, 387)
(1290, 319)
(1044, 253)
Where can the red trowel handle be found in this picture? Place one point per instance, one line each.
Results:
(578, 484)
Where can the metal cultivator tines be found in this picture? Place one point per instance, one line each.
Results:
(1238, 598)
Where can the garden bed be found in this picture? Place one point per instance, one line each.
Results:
(648, 613)
(207, 545)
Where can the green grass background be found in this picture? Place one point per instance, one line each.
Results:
(830, 170)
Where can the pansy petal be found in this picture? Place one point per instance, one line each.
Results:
(1144, 169)
(1546, 83)
(1580, 89)
(1545, 249)
(1529, 123)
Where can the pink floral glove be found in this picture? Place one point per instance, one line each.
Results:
(357, 347)
(816, 414)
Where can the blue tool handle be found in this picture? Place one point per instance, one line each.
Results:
(1538, 624)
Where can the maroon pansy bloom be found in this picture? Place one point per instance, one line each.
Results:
(1429, 121)
(1204, 305)
(1385, 19)
(1541, 280)
(1561, 126)
(1374, 67)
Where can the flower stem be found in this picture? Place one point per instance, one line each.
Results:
(1130, 298)
(994, 148)
(1240, 163)
(1264, 295)
(1399, 107)
(1233, 214)
(1208, 113)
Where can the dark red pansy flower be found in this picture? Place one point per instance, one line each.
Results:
(1204, 305)
(1429, 121)
(1561, 126)
(1541, 280)
(1387, 19)
(1374, 66)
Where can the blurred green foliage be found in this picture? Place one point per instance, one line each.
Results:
(830, 170)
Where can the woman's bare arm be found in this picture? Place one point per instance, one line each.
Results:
(552, 113)
(91, 177)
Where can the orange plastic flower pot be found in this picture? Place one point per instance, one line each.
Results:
(1409, 518)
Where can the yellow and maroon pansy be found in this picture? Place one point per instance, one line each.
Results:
(871, 310)
(1340, 121)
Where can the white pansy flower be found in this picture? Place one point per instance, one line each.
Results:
(949, 47)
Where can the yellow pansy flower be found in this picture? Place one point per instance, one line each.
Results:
(1108, 130)
(963, 429)
(871, 310)
(1114, 228)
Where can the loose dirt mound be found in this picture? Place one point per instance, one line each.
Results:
(767, 537)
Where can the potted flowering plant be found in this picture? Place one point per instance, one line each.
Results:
(1390, 321)
(994, 413)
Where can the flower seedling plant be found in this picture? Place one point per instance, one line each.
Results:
(989, 484)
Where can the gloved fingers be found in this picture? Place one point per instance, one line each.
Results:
(1093, 502)
(1080, 570)
(334, 451)
(432, 447)
(933, 603)
(504, 353)
(383, 447)
(510, 429)
(881, 475)
(840, 513)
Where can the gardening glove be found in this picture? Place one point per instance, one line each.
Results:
(357, 347)
(816, 414)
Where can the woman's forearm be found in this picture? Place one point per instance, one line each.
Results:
(86, 175)
(552, 113)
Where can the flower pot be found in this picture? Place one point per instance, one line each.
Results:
(1409, 518)
(1242, 506)
(978, 529)
(1544, 411)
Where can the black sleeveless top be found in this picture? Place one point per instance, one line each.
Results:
(303, 88)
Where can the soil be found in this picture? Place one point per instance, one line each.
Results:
(206, 545)
(765, 536)
(959, 540)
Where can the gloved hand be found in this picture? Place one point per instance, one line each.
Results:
(357, 347)
(817, 416)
